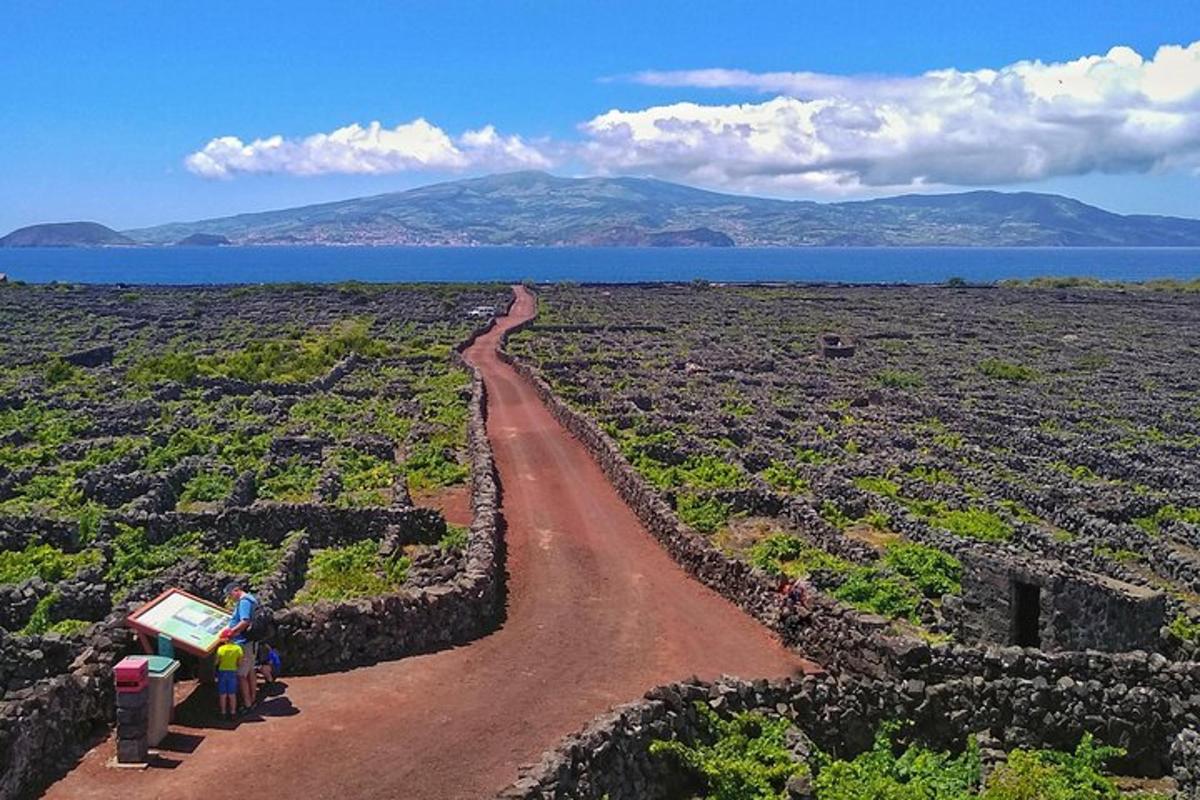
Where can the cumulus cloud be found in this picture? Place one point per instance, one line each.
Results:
(374, 149)
(1116, 112)
(812, 132)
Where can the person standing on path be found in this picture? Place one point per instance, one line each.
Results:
(244, 606)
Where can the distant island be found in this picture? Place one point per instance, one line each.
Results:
(537, 209)
(65, 234)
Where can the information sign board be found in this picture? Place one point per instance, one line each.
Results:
(191, 623)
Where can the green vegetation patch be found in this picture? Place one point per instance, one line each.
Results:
(135, 558)
(285, 360)
(251, 557)
(1153, 524)
(43, 561)
(701, 513)
(746, 757)
(356, 570)
(294, 482)
(1007, 370)
(934, 572)
(205, 487)
(785, 554)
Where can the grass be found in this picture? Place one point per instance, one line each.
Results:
(356, 570)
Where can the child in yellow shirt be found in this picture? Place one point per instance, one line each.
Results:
(228, 656)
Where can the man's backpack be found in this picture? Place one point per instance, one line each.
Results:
(260, 623)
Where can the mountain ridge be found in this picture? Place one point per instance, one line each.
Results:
(538, 209)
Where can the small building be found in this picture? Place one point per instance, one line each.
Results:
(1027, 601)
(833, 345)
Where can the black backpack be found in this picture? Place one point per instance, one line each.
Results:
(260, 623)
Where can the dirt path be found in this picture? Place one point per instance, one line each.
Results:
(597, 614)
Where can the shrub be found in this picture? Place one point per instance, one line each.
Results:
(746, 757)
(206, 487)
(878, 592)
(1051, 775)
(365, 478)
(58, 371)
(784, 554)
(252, 557)
(294, 483)
(43, 561)
(455, 538)
(428, 467)
(894, 379)
(1006, 370)
(832, 513)
(1184, 629)
(782, 478)
(915, 773)
(882, 486)
(135, 558)
(933, 571)
(973, 523)
(704, 514)
(175, 365)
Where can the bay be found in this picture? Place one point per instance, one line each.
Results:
(225, 265)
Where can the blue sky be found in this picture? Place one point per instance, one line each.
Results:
(104, 103)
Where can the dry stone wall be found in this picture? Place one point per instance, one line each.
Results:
(328, 636)
(610, 758)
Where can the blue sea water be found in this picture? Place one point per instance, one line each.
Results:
(201, 265)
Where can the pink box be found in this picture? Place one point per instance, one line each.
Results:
(132, 674)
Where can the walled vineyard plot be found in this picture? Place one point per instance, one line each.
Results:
(153, 437)
(979, 490)
(872, 440)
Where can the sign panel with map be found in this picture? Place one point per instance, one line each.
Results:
(192, 623)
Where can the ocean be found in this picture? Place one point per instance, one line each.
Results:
(203, 265)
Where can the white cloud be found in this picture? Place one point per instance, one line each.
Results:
(1022, 122)
(816, 133)
(374, 149)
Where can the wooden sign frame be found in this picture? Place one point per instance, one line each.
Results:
(149, 634)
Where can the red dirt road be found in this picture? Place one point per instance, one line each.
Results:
(597, 614)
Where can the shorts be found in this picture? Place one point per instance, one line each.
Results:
(248, 655)
(227, 681)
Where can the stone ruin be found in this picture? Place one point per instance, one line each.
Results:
(834, 345)
(1027, 601)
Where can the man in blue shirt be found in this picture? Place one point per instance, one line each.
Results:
(244, 604)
